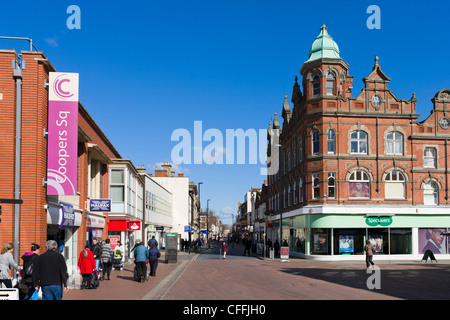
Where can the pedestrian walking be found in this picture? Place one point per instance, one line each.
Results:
(199, 245)
(7, 263)
(224, 248)
(154, 254)
(276, 246)
(369, 249)
(97, 252)
(107, 259)
(29, 258)
(50, 273)
(86, 264)
(248, 246)
(141, 256)
(154, 241)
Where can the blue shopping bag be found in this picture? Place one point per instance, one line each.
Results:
(35, 295)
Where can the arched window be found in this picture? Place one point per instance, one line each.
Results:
(300, 190)
(395, 185)
(394, 143)
(358, 142)
(332, 185)
(359, 184)
(289, 196)
(294, 194)
(300, 150)
(430, 193)
(316, 186)
(316, 85)
(315, 142)
(330, 84)
(331, 139)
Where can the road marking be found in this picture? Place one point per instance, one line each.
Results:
(161, 289)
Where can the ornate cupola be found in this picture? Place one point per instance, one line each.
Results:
(325, 73)
(324, 46)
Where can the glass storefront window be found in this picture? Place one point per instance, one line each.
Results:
(401, 241)
(379, 239)
(348, 241)
(320, 241)
(299, 240)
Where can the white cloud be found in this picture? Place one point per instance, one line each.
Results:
(52, 42)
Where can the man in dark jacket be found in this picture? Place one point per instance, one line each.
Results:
(50, 273)
(97, 251)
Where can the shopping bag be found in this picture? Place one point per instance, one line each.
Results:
(35, 295)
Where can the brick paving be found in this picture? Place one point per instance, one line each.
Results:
(255, 279)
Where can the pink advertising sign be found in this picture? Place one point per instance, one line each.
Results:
(62, 153)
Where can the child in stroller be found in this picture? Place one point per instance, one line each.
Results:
(117, 260)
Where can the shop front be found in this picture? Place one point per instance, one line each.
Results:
(127, 232)
(396, 234)
(94, 227)
(63, 222)
(159, 233)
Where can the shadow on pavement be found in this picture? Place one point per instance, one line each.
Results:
(409, 281)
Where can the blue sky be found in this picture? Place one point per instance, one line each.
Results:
(150, 67)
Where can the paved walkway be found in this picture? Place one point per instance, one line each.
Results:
(215, 279)
(122, 287)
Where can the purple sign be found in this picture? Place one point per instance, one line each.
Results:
(62, 154)
(100, 205)
(67, 216)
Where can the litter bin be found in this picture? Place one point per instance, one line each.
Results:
(171, 249)
(272, 253)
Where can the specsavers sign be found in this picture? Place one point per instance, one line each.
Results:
(379, 221)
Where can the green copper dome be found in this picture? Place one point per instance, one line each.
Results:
(324, 46)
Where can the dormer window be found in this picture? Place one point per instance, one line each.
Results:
(330, 84)
(316, 85)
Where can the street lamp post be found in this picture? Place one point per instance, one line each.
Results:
(207, 222)
(200, 209)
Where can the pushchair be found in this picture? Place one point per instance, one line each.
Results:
(117, 260)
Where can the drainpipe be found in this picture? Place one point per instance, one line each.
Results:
(18, 79)
(378, 180)
(446, 172)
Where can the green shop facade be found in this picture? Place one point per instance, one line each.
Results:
(340, 232)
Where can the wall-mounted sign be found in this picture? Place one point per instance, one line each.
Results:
(67, 216)
(95, 222)
(62, 151)
(100, 205)
(134, 225)
(379, 221)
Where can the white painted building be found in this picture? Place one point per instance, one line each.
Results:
(178, 186)
(158, 210)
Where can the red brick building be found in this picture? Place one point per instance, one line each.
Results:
(358, 168)
(36, 219)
